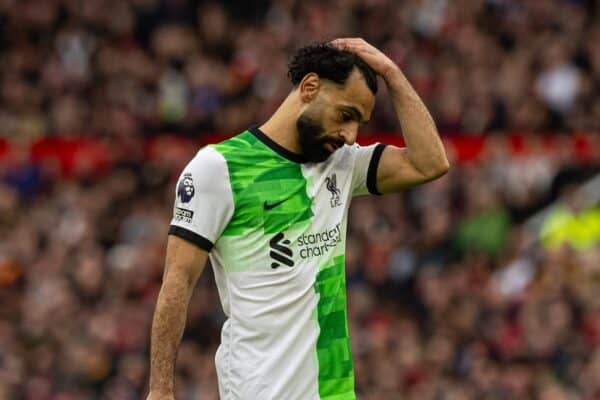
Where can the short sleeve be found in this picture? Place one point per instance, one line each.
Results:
(365, 163)
(203, 200)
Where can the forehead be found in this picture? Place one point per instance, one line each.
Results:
(355, 92)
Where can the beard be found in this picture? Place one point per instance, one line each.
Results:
(312, 139)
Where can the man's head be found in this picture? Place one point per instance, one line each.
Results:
(337, 89)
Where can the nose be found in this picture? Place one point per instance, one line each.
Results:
(349, 135)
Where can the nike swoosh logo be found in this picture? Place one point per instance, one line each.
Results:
(268, 206)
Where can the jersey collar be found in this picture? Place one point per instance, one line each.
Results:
(277, 148)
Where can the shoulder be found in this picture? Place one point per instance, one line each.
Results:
(208, 169)
(344, 156)
(206, 159)
(240, 142)
(349, 154)
(356, 149)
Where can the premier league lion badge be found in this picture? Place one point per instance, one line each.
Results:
(185, 189)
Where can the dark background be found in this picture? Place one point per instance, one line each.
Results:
(452, 295)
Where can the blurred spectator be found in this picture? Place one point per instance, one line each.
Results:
(193, 66)
(448, 296)
(572, 223)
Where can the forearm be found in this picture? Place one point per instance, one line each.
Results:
(167, 329)
(425, 149)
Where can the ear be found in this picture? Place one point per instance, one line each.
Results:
(309, 87)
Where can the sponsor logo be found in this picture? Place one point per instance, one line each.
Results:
(185, 188)
(281, 253)
(318, 244)
(331, 184)
(181, 214)
(309, 245)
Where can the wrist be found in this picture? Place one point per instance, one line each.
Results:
(162, 392)
(397, 84)
(160, 396)
(391, 73)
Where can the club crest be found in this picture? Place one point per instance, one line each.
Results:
(331, 184)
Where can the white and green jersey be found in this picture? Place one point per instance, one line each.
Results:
(275, 227)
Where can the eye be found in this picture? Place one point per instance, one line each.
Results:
(345, 116)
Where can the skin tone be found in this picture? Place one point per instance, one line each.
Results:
(340, 109)
(183, 266)
(424, 158)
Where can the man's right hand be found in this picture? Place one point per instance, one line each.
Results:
(184, 264)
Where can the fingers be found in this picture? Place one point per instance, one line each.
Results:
(341, 44)
(376, 59)
(346, 43)
(350, 40)
(355, 45)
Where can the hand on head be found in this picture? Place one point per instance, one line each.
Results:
(380, 63)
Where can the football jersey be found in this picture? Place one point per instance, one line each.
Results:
(275, 227)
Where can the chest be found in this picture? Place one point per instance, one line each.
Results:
(285, 196)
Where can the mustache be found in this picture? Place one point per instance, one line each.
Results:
(337, 143)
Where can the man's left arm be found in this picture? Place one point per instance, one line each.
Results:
(424, 158)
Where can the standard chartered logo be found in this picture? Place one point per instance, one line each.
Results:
(318, 244)
(280, 251)
(309, 245)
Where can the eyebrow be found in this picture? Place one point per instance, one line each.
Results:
(355, 112)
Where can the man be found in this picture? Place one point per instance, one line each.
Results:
(269, 207)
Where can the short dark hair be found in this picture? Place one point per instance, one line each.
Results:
(330, 63)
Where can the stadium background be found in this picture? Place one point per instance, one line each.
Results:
(454, 291)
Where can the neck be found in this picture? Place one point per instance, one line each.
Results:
(281, 127)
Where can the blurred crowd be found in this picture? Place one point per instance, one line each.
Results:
(121, 69)
(451, 295)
